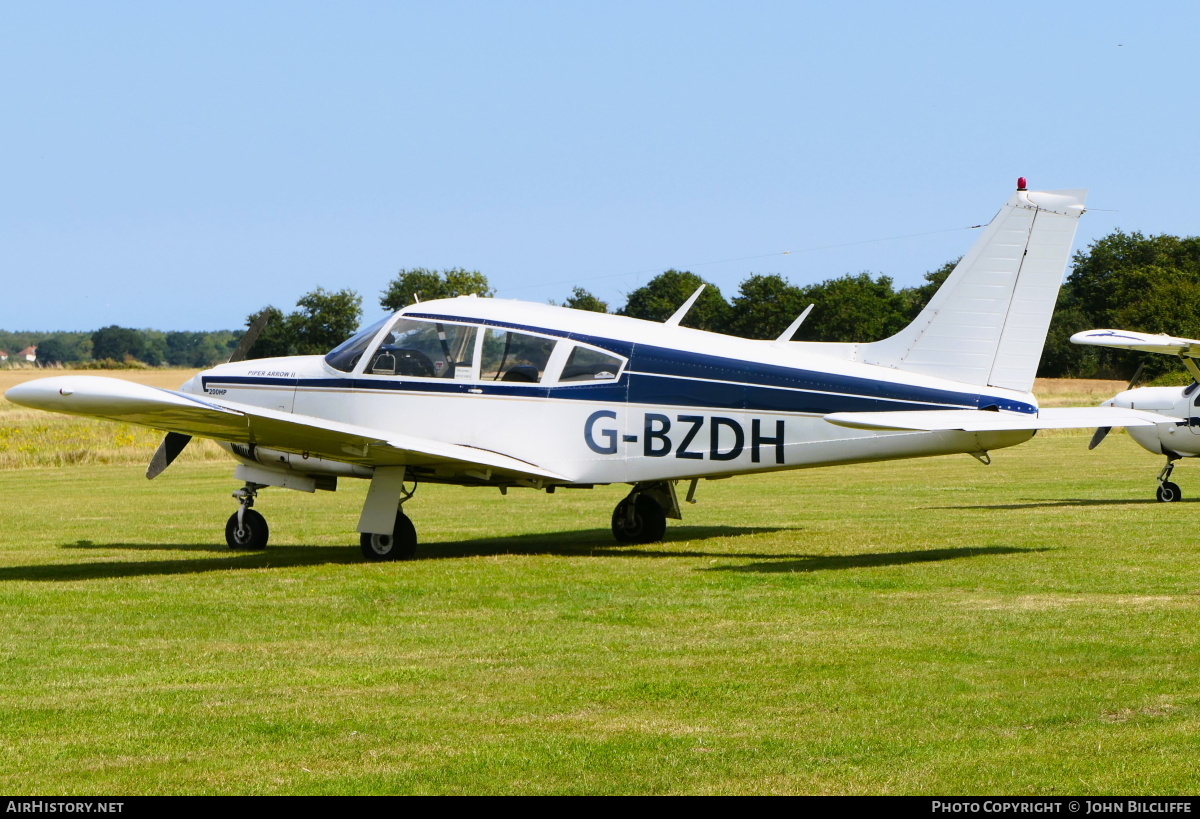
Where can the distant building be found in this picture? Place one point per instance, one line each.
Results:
(29, 353)
(3, 355)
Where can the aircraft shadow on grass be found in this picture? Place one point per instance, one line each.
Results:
(825, 563)
(586, 543)
(1064, 502)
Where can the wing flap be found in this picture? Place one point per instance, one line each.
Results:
(170, 411)
(988, 421)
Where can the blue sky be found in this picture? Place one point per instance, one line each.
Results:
(178, 166)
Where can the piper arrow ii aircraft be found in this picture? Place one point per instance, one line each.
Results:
(503, 394)
(1177, 435)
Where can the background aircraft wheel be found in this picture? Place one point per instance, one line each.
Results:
(649, 522)
(1169, 492)
(401, 544)
(253, 534)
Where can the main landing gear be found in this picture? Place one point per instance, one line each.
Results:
(642, 516)
(1168, 492)
(247, 530)
(401, 544)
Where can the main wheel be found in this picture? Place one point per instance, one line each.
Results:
(401, 544)
(1169, 492)
(647, 525)
(251, 536)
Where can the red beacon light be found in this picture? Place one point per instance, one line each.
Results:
(1022, 183)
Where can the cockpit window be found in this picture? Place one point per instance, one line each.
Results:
(345, 356)
(425, 349)
(586, 364)
(509, 356)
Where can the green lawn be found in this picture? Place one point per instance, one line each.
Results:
(930, 626)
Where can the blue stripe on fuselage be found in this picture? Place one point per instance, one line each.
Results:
(671, 377)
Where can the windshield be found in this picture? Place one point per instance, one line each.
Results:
(345, 356)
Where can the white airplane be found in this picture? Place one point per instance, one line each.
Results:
(503, 394)
(1177, 435)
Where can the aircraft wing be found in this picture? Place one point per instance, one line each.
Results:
(989, 421)
(1143, 342)
(206, 417)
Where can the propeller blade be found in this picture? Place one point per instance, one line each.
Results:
(1136, 375)
(167, 452)
(1101, 434)
(255, 330)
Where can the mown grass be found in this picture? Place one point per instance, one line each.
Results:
(918, 627)
(930, 626)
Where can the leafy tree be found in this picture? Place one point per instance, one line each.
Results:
(154, 352)
(764, 306)
(190, 349)
(1099, 272)
(665, 293)
(277, 338)
(853, 308)
(427, 285)
(323, 321)
(581, 299)
(54, 350)
(117, 343)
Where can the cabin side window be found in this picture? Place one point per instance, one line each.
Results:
(516, 357)
(587, 364)
(425, 349)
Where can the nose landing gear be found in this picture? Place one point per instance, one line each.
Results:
(1168, 492)
(246, 530)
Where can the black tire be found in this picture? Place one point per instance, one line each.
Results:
(649, 522)
(400, 545)
(252, 537)
(1169, 492)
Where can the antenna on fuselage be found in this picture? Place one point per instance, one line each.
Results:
(795, 325)
(677, 317)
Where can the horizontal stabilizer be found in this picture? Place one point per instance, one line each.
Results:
(1142, 342)
(988, 421)
(171, 411)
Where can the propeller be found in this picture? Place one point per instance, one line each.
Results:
(1102, 432)
(174, 442)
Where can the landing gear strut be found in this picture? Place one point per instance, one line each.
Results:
(401, 542)
(1168, 492)
(246, 530)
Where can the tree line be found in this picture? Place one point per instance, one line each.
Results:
(1123, 280)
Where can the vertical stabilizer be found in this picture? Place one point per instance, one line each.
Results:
(987, 323)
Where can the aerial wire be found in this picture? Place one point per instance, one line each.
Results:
(742, 258)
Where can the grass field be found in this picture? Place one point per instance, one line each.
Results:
(931, 626)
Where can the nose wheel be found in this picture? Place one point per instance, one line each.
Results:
(1168, 492)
